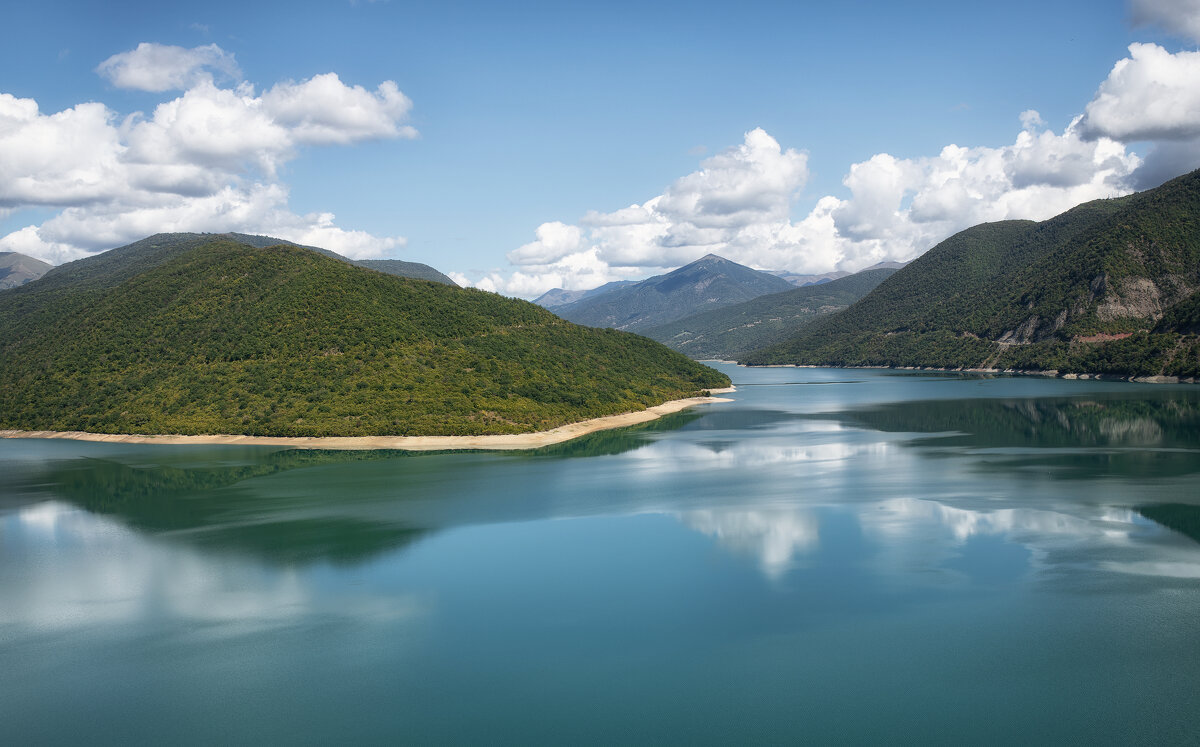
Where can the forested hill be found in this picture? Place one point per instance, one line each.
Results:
(1107, 287)
(222, 337)
(735, 330)
(708, 283)
(122, 261)
(390, 266)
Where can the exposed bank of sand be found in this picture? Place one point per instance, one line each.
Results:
(406, 443)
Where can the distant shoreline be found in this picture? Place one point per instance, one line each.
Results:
(1002, 371)
(505, 442)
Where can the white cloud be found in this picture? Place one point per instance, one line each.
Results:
(1177, 17)
(775, 536)
(258, 208)
(1150, 95)
(719, 206)
(161, 67)
(323, 110)
(738, 206)
(554, 241)
(212, 128)
(206, 160)
(72, 157)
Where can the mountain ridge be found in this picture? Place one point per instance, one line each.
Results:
(183, 240)
(17, 269)
(734, 330)
(709, 282)
(1082, 292)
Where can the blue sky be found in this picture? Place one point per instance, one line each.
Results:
(538, 124)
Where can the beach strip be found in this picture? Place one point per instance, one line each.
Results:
(405, 443)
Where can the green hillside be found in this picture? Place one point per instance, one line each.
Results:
(733, 330)
(1107, 287)
(221, 337)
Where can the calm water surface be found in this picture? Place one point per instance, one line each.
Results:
(834, 556)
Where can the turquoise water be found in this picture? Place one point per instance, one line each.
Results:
(834, 556)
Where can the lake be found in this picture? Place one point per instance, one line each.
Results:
(835, 556)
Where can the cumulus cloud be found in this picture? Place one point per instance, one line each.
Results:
(715, 207)
(206, 160)
(257, 208)
(161, 67)
(738, 205)
(1150, 95)
(72, 157)
(323, 110)
(1177, 17)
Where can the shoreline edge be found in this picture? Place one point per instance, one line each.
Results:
(504, 442)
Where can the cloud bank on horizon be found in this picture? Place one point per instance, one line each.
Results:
(207, 160)
(209, 157)
(737, 204)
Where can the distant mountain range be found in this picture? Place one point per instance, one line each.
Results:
(196, 333)
(735, 330)
(557, 297)
(708, 283)
(18, 269)
(825, 277)
(1109, 287)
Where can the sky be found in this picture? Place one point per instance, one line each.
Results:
(529, 145)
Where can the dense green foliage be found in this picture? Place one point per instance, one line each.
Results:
(1183, 317)
(1107, 287)
(708, 283)
(170, 337)
(733, 330)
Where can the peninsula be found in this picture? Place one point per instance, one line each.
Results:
(195, 334)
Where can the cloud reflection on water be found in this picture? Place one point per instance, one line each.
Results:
(775, 536)
(78, 571)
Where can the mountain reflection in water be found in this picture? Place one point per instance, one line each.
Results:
(1073, 438)
(953, 559)
(748, 477)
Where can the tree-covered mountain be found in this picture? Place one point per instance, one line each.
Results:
(734, 330)
(19, 269)
(389, 266)
(203, 334)
(164, 245)
(1107, 287)
(707, 283)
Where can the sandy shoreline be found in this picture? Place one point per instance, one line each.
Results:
(405, 443)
